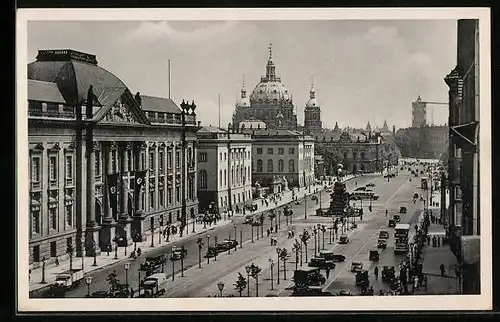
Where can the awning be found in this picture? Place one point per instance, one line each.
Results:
(466, 132)
(470, 249)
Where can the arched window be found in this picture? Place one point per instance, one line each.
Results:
(363, 155)
(270, 165)
(281, 166)
(203, 178)
(291, 166)
(225, 177)
(232, 175)
(259, 165)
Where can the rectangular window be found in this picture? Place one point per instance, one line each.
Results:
(270, 151)
(69, 167)
(203, 157)
(161, 195)
(259, 151)
(225, 156)
(143, 160)
(113, 162)
(53, 168)
(225, 177)
(177, 194)
(281, 151)
(169, 159)
(161, 161)
(53, 217)
(220, 156)
(291, 150)
(169, 195)
(69, 215)
(151, 162)
(53, 249)
(177, 159)
(220, 177)
(97, 163)
(35, 169)
(152, 199)
(36, 221)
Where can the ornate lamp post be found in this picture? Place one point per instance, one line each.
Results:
(152, 233)
(220, 286)
(248, 269)
(271, 262)
(208, 247)
(241, 238)
(94, 248)
(278, 252)
(43, 271)
(127, 267)
(88, 281)
(200, 246)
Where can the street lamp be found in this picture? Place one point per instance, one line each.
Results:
(88, 281)
(200, 246)
(43, 271)
(248, 268)
(215, 245)
(271, 262)
(278, 252)
(208, 247)
(220, 286)
(127, 267)
(82, 240)
(94, 248)
(152, 233)
(159, 229)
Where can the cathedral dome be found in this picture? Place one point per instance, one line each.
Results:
(243, 102)
(270, 91)
(270, 88)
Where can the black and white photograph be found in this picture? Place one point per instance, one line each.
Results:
(207, 159)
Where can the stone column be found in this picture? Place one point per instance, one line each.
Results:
(123, 218)
(108, 223)
(92, 228)
(138, 218)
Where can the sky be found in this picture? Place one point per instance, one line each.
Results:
(364, 70)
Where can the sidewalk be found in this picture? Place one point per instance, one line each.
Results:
(103, 260)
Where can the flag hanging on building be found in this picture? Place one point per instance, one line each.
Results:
(113, 192)
(140, 178)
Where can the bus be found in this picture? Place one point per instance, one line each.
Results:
(363, 194)
(423, 183)
(401, 232)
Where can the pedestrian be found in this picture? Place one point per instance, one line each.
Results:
(29, 275)
(371, 291)
(386, 213)
(139, 251)
(327, 273)
(268, 232)
(276, 227)
(415, 283)
(428, 240)
(271, 228)
(376, 272)
(439, 241)
(293, 233)
(57, 261)
(425, 282)
(272, 241)
(441, 267)
(131, 292)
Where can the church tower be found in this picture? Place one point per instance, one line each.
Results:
(368, 127)
(312, 113)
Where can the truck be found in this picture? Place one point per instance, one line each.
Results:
(69, 279)
(401, 232)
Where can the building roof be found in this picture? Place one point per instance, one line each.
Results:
(159, 104)
(44, 92)
(73, 72)
(211, 129)
(258, 132)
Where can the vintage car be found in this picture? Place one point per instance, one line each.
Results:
(397, 218)
(388, 273)
(248, 219)
(298, 202)
(329, 255)
(392, 223)
(226, 244)
(382, 243)
(309, 276)
(360, 189)
(374, 255)
(356, 267)
(383, 234)
(211, 252)
(344, 293)
(362, 278)
(314, 197)
(402, 210)
(371, 184)
(343, 239)
(153, 264)
(321, 263)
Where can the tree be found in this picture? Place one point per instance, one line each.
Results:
(331, 156)
(403, 142)
(240, 284)
(116, 289)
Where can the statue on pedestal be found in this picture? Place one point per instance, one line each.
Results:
(285, 184)
(258, 189)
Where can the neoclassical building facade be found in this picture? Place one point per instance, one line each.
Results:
(102, 161)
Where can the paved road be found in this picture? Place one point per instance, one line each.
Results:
(243, 231)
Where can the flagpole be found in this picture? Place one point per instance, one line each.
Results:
(219, 108)
(169, 79)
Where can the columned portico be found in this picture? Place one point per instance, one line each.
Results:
(123, 219)
(92, 228)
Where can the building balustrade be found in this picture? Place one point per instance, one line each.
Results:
(54, 114)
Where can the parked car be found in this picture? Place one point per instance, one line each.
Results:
(298, 202)
(382, 243)
(178, 253)
(356, 267)
(371, 184)
(321, 263)
(227, 244)
(383, 234)
(362, 278)
(211, 252)
(343, 239)
(248, 219)
(329, 255)
(374, 255)
(360, 189)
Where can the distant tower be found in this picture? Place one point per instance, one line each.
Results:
(394, 129)
(368, 127)
(312, 113)
(385, 128)
(336, 128)
(419, 113)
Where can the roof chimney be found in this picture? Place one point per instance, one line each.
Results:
(138, 99)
